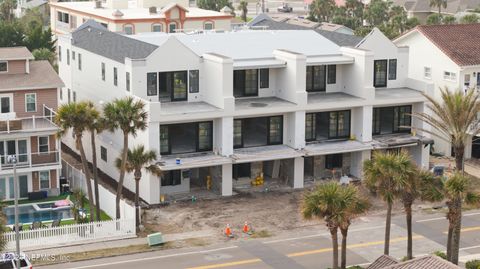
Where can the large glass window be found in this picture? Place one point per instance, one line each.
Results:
(30, 102)
(264, 78)
(173, 86)
(171, 178)
(193, 80)
(327, 125)
(332, 74)
(380, 73)
(388, 120)
(115, 76)
(254, 132)
(79, 61)
(3, 66)
(151, 84)
(103, 153)
(5, 104)
(127, 81)
(103, 71)
(43, 144)
(245, 82)
(186, 137)
(14, 147)
(392, 69)
(333, 161)
(44, 179)
(316, 78)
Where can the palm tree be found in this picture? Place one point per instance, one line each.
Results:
(335, 204)
(457, 191)
(138, 159)
(322, 9)
(454, 119)
(243, 6)
(355, 205)
(387, 173)
(96, 127)
(130, 117)
(78, 117)
(439, 4)
(424, 185)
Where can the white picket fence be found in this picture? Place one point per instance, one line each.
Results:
(72, 234)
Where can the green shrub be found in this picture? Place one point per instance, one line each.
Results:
(473, 264)
(440, 254)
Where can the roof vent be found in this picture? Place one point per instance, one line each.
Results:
(98, 4)
(152, 10)
(117, 13)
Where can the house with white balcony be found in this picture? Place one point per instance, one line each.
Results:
(446, 56)
(28, 97)
(290, 107)
(136, 16)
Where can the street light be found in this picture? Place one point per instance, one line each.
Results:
(12, 159)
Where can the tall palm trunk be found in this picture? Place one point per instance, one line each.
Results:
(459, 152)
(122, 174)
(455, 244)
(334, 235)
(95, 174)
(408, 216)
(343, 263)
(388, 224)
(450, 229)
(87, 175)
(137, 201)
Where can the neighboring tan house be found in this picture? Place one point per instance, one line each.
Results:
(28, 97)
(295, 109)
(448, 56)
(133, 17)
(422, 9)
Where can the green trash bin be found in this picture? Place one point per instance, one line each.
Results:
(155, 239)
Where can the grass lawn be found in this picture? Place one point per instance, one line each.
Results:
(48, 199)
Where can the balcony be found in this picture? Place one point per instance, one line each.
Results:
(31, 160)
(29, 124)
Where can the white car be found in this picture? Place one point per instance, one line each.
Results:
(7, 261)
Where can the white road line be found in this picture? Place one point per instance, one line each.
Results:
(318, 235)
(472, 247)
(154, 258)
(443, 218)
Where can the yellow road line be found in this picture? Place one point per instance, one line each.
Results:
(469, 229)
(304, 253)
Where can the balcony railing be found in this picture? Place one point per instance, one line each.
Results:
(29, 124)
(31, 160)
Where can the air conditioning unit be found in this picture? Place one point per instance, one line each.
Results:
(152, 10)
(155, 239)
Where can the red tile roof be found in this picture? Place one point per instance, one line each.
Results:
(458, 41)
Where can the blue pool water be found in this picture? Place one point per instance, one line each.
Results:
(28, 213)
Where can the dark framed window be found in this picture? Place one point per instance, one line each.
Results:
(43, 144)
(173, 85)
(194, 81)
(255, 132)
(69, 95)
(151, 84)
(333, 161)
(127, 81)
(245, 82)
(103, 153)
(392, 69)
(73, 55)
(327, 125)
(103, 71)
(171, 178)
(3, 66)
(68, 57)
(332, 74)
(264, 78)
(115, 76)
(59, 53)
(316, 78)
(388, 120)
(380, 73)
(186, 137)
(79, 61)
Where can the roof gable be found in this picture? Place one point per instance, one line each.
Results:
(375, 38)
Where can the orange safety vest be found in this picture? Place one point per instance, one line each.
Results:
(228, 232)
(245, 228)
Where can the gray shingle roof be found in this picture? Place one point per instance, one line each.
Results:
(427, 262)
(94, 37)
(338, 38)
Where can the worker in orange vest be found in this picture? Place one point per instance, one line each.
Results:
(228, 231)
(246, 229)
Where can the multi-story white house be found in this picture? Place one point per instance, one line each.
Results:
(290, 106)
(446, 56)
(133, 17)
(28, 97)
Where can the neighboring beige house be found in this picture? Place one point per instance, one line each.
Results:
(421, 8)
(133, 17)
(28, 96)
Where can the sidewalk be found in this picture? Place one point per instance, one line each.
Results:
(116, 243)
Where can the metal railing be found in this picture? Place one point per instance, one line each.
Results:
(27, 160)
(28, 124)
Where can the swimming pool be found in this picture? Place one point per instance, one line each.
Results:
(37, 212)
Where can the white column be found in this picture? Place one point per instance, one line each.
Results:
(227, 185)
(298, 174)
(224, 133)
(357, 159)
(295, 129)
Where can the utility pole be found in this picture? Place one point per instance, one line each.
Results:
(13, 160)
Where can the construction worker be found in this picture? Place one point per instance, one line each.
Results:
(246, 228)
(228, 231)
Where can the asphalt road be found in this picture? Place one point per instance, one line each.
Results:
(303, 251)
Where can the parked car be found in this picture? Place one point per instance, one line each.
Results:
(285, 8)
(8, 261)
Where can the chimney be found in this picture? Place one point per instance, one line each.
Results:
(152, 10)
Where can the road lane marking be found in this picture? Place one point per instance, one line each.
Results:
(469, 229)
(443, 218)
(322, 234)
(304, 253)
